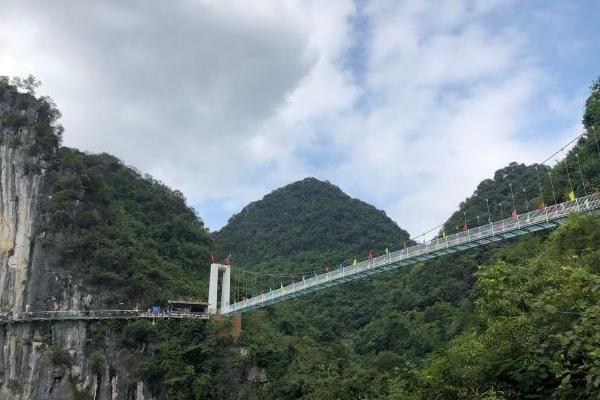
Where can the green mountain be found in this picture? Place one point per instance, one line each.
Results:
(126, 235)
(307, 222)
(331, 344)
(493, 198)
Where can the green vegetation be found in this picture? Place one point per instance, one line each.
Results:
(127, 235)
(60, 357)
(497, 191)
(30, 118)
(308, 222)
(346, 342)
(183, 359)
(536, 326)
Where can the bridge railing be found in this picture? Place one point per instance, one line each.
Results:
(93, 314)
(499, 228)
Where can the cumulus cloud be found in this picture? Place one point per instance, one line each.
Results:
(404, 104)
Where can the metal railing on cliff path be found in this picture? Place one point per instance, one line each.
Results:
(94, 315)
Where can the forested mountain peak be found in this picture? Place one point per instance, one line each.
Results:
(304, 220)
(125, 237)
(485, 201)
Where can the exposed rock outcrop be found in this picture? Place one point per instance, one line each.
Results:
(41, 361)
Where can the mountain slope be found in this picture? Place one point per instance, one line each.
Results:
(129, 237)
(308, 221)
(350, 333)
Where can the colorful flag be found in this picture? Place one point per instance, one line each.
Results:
(571, 195)
(513, 214)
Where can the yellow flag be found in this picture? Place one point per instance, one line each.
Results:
(354, 263)
(571, 195)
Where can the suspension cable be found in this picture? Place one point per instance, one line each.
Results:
(537, 173)
(596, 139)
(552, 184)
(580, 173)
(568, 174)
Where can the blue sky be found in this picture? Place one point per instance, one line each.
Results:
(404, 104)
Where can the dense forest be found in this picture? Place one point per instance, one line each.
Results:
(301, 222)
(126, 235)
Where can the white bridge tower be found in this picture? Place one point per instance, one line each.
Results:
(224, 271)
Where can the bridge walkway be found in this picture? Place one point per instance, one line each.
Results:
(523, 224)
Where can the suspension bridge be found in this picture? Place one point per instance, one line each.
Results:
(220, 283)
(514, 226)
(250, 293)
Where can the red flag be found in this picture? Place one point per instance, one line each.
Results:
(541, 206)
(465, 227)
(513, 214)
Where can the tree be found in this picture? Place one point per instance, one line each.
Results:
(29, 84)
(591, 117)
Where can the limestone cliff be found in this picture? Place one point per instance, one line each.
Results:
(44, 360)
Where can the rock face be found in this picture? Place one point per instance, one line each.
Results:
(50, 361)
(19, 217)
(44, 360)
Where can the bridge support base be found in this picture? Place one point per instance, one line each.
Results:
(236, 323)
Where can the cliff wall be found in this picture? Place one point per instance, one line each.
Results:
(42, 360)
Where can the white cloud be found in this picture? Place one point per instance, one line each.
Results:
(227, 100)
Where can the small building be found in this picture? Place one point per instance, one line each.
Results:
(187, 306)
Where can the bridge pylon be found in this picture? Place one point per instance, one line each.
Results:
(216, 271)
